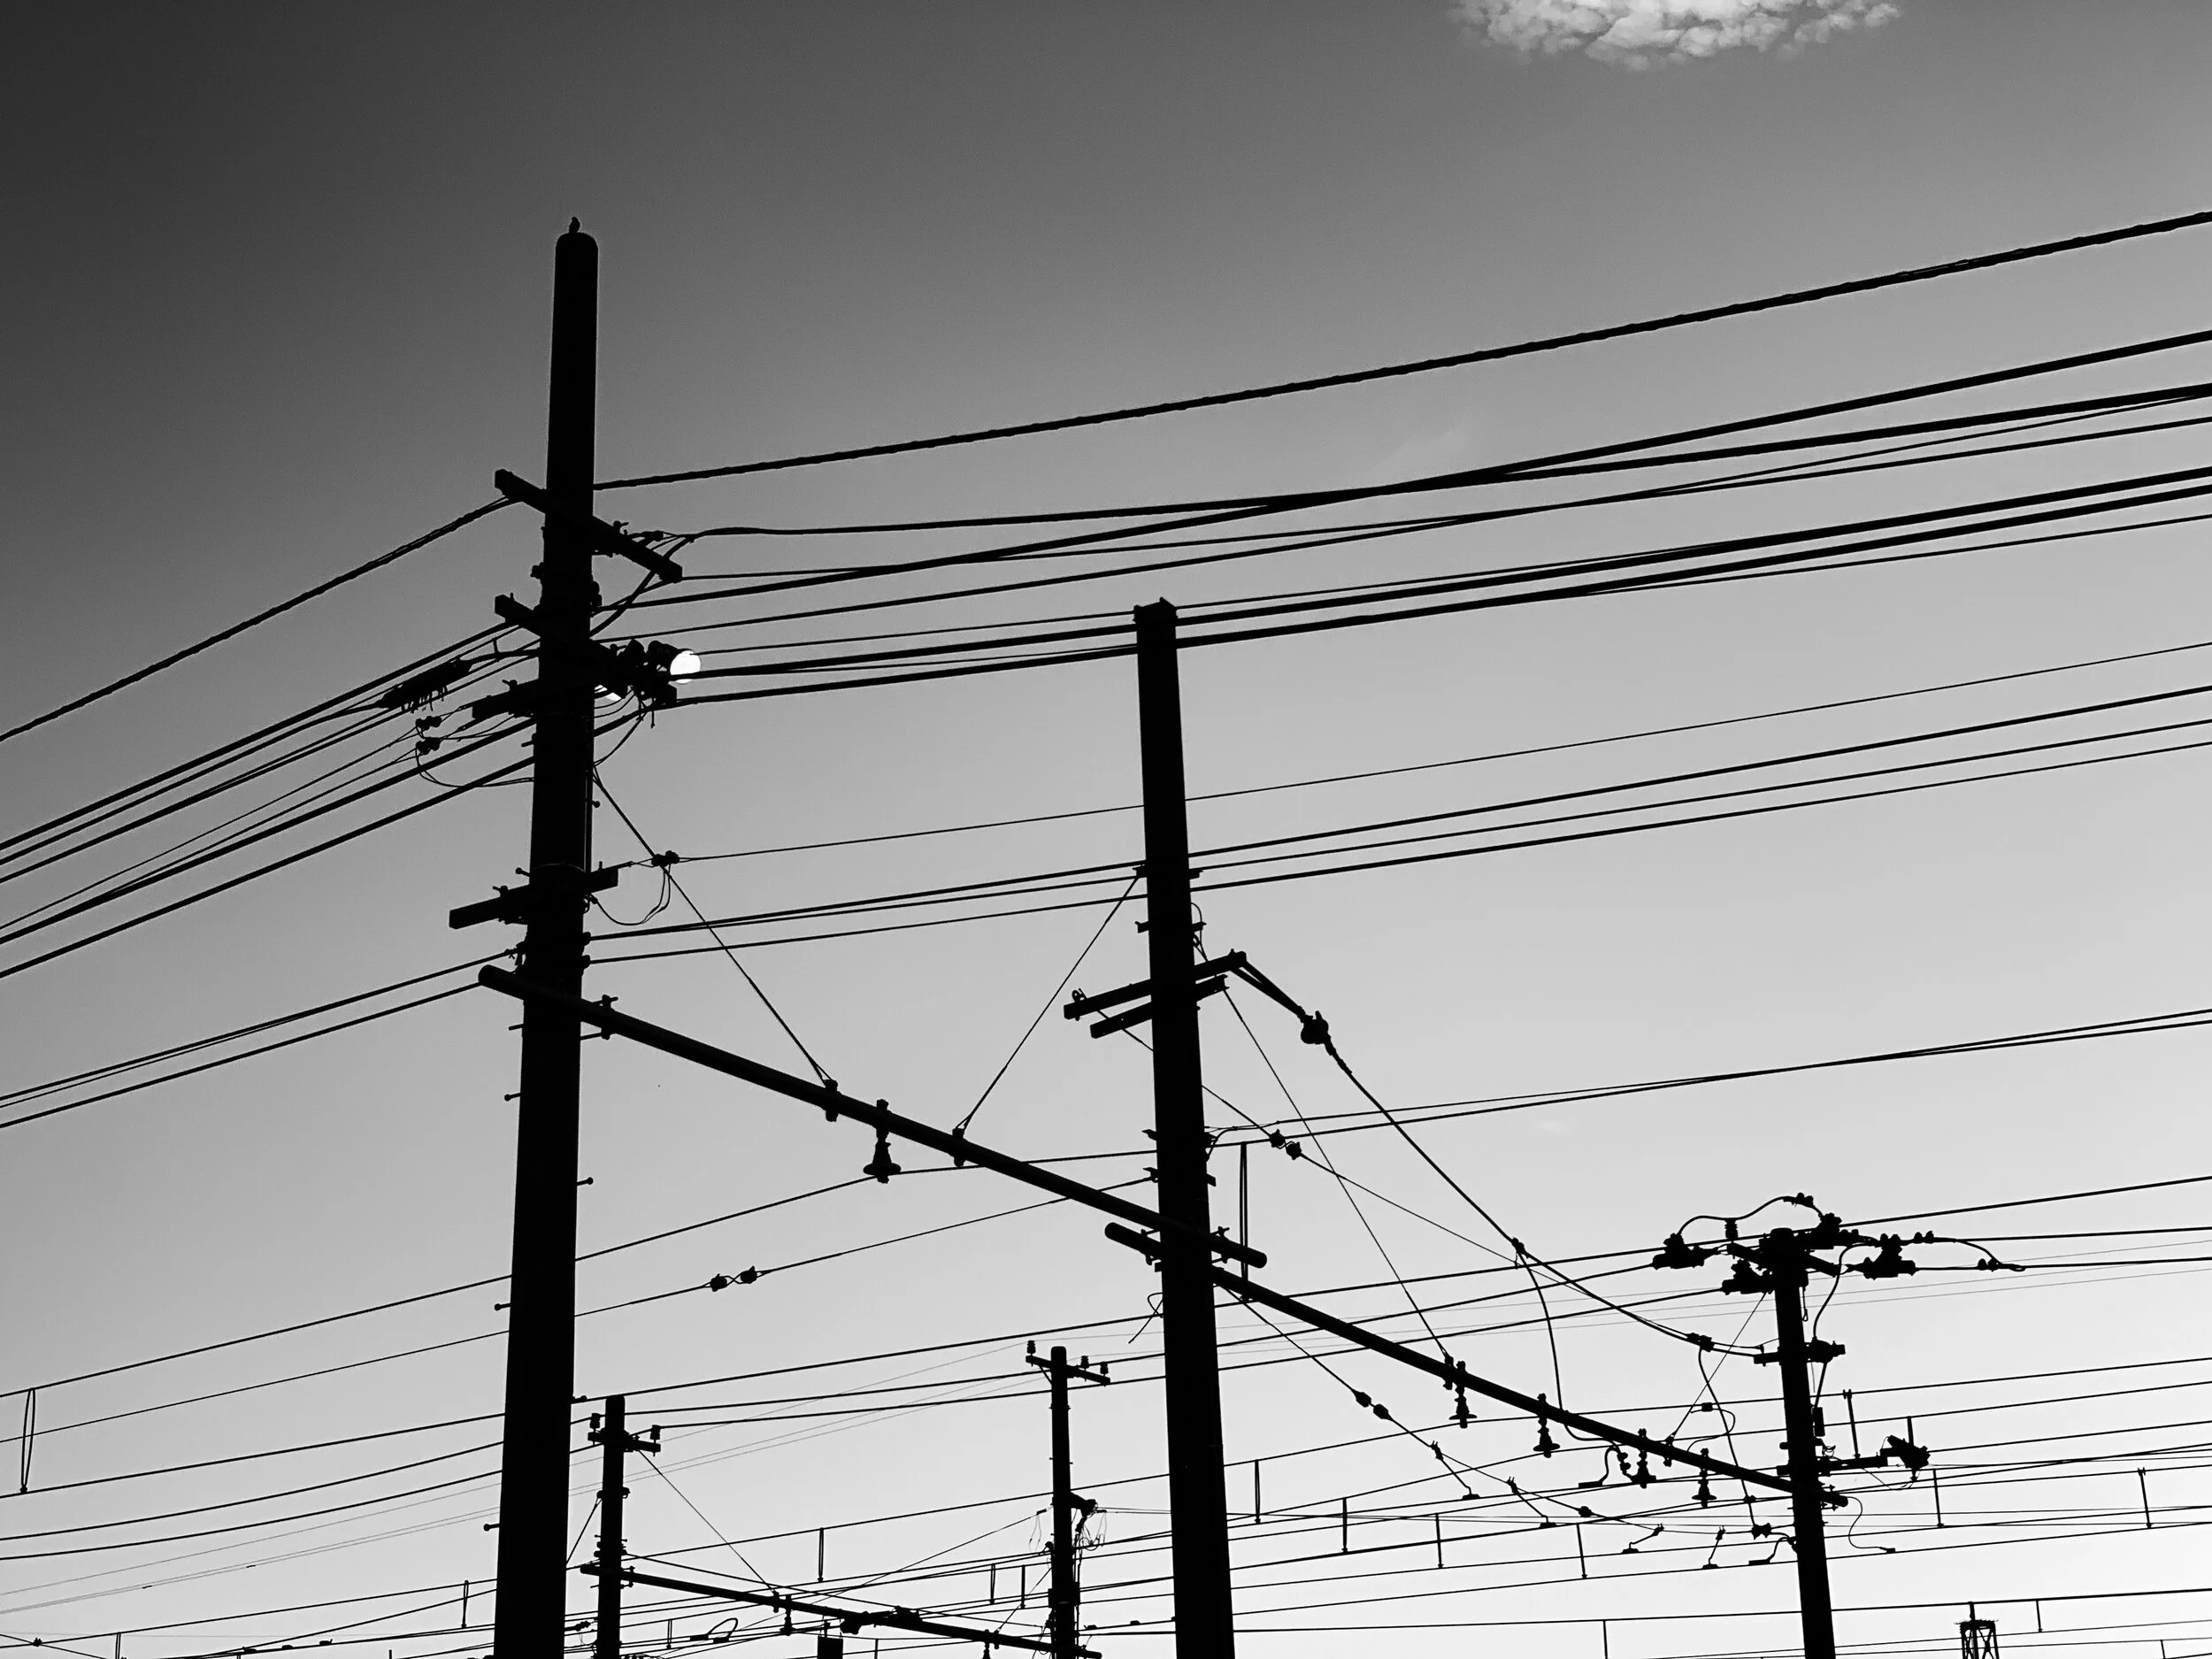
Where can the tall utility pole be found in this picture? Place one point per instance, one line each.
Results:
(541, 1318)
(616, 1442)
(1197, 1499)
(1065, 1596)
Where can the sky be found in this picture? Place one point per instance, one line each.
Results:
(277, 301)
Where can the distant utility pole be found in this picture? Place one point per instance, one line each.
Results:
(1065, 1596)
(1784, 1260)
(1781, 1263)
(542, 1317)
(1197, 1497)
(610, 1433)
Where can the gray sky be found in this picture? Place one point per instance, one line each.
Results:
(276, 300)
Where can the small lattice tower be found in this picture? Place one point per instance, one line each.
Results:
(1978, 1636)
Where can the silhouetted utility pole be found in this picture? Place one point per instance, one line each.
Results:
(1065, 1596)
(1197, 1499)
(558, 705)
(1784, 1262)
(542, 1317)
(1781, 1263)
(610, 1433)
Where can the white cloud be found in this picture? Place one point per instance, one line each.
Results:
(1639, 33)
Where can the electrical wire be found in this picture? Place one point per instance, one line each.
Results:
(236, 628)
(1424, 365)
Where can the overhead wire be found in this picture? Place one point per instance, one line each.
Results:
(1250, 508)
(268, 614)
(1595, 573)
(1988, 261)
(1485, 758)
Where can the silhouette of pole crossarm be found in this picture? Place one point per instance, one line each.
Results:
(1455, 1375)
(851, 1620)
(837, 1104)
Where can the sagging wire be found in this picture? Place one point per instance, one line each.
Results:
(1322, 1156)
(1075, 967)
(1710, 1396)
(1456, 1470)
(665, 862)
(1850, 1532)
(1314, 1029)
(1729, 1223)
(661, 901)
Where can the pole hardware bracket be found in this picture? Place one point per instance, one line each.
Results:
(519, 904)
(1080, 1371)
(604, 539)
(1212, 976)
(1208, 973)
(1895, 1448)
(1142, 1012)
(1677, 1253)
(649, 1441)
(1817, 1351)
(639, 668)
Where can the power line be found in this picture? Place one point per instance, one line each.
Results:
(1593, 580)
(1425, 365)
(403, 1302)
(1302, 847)
(270, 868)
(1261, 507)
(1467, 760)
(424, 1001)
(344, 705)
(96, 1073)
(254, 621)
(2044, 506)
(1946, 428)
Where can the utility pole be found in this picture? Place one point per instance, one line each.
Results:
(1781, 1263)
(1784, 1258)
(542, 1317)
(610, 1433)
(1066, 1596)
(1198, 1502)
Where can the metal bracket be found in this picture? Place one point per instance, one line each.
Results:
(519, 904)
(604, 537)
(1137, 1015)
